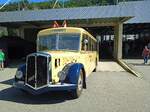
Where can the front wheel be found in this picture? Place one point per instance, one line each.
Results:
(77, 92)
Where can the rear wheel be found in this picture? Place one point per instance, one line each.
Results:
(96, 63)
(77, 92)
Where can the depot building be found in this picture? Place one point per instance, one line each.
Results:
(121, 30)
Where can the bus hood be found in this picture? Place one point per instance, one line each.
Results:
(63, 54)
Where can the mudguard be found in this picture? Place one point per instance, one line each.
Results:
(22, 68)
(74, 72)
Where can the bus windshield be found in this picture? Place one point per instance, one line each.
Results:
(59, 42)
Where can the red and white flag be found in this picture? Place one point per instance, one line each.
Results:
(55, 25)
(64, 23)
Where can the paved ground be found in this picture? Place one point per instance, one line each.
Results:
(110, 66)
(106, 92)
(144, 69)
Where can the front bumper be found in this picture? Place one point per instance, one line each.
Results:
(48, 87)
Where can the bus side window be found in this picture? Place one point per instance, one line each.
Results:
(89, 43)
(95, 46)
(90, 48)
(92, 45)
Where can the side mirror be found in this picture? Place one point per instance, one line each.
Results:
(85, 41)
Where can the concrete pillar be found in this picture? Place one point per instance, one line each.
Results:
(118, 30)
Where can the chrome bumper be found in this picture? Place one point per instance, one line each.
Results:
(48, 87)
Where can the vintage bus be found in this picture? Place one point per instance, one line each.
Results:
(65, 57)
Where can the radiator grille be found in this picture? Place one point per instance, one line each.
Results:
(38, 73)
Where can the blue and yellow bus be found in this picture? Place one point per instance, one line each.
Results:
(64, 59)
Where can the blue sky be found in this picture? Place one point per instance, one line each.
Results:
(3, 1)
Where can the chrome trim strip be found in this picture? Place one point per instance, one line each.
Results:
(26, 70)
(48, 74)
(35, 71)
(36, 88)
(33, 54)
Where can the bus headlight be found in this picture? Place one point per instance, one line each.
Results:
(62, 75)
(19, 74)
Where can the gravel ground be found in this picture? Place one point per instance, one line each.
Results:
(106, 92)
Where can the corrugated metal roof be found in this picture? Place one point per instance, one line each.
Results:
(140, 10)
(62, 14)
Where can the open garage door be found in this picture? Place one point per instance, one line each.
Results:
(15, 48)
(105, 35)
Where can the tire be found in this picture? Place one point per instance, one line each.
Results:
(96, 63)
(95, 70)
(77, 92)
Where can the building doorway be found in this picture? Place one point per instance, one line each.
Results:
(105, 36)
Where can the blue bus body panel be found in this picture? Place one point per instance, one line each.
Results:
(71, 84)
(74, 72)
(22, 68)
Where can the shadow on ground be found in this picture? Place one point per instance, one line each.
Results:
(7, 82)
(15, 95)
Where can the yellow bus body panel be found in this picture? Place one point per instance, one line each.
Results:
(87, 58)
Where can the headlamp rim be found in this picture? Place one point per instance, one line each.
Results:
(19, 74)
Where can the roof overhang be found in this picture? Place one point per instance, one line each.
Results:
(73, 22)
(81, 16)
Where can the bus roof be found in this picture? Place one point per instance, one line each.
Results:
(64, 29)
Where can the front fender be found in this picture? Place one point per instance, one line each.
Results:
(73, 73)
(22, 68)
